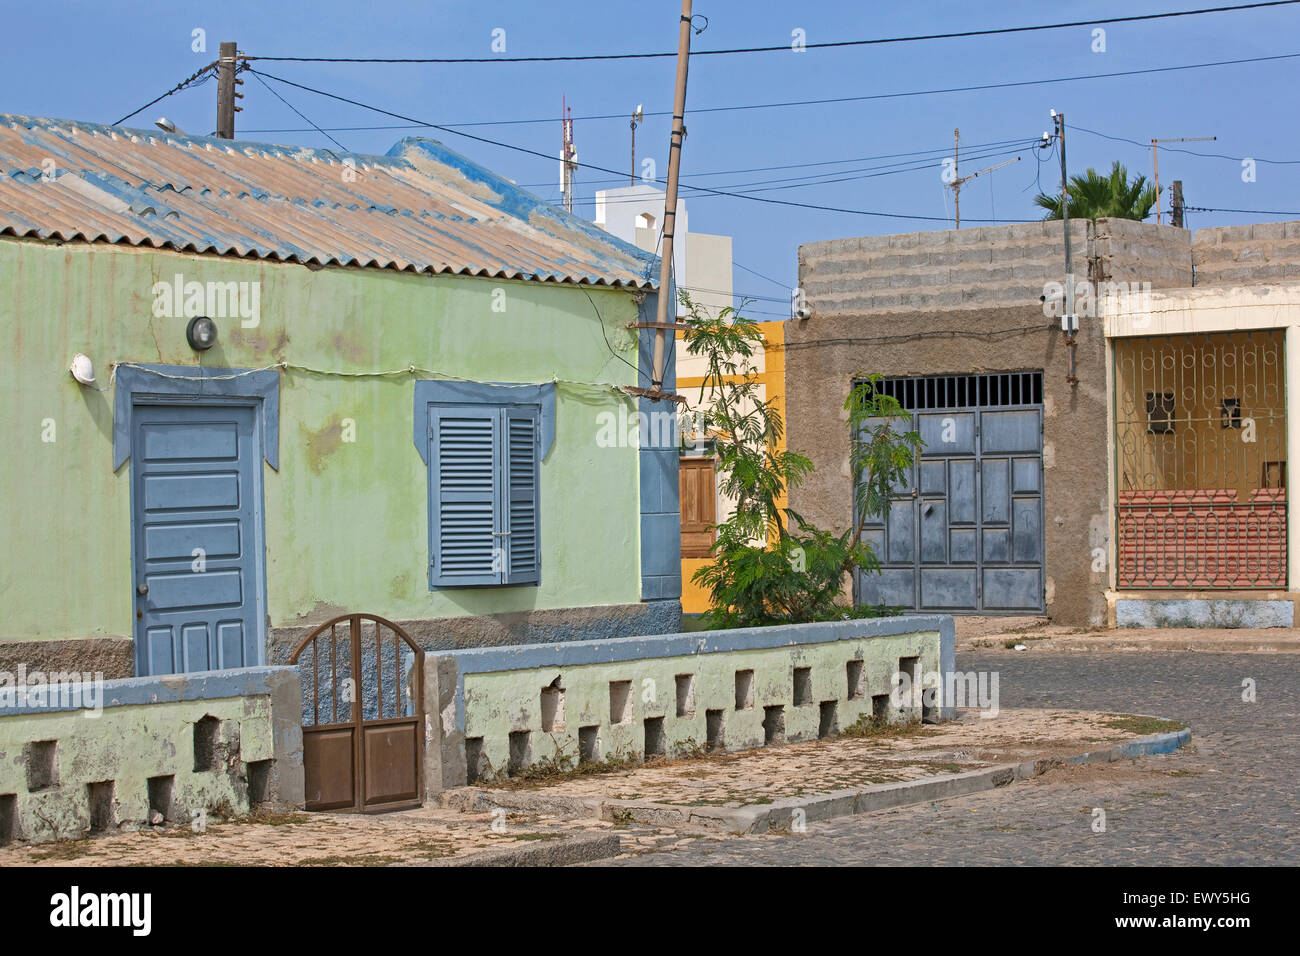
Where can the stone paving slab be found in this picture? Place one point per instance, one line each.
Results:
(413, 837)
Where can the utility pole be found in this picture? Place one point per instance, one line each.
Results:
(1069, 322)
(568, 154)
(1177, 216)
(960, 181)
(636, 118)
(1155, 160)
(670, 201)
(226, 95)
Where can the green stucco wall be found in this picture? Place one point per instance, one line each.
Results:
(128, 746)
(500, 703)
(346, 522)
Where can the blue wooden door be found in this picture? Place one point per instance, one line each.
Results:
(196, 510)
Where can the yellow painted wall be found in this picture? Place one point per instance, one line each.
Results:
(770, 374)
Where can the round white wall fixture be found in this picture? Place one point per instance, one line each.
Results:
(82, 369)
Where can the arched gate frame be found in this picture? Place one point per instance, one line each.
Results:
(363, 715)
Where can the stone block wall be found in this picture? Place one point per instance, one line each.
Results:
(1257, 254)
(500, 711)
(84, 759)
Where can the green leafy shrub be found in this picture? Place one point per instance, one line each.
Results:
(769, 565)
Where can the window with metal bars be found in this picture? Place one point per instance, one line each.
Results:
(989, 390)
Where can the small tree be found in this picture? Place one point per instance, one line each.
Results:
(769, 564)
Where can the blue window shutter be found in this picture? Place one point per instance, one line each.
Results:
(464, 496)
(522, 431)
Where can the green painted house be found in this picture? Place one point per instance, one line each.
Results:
(253, 387)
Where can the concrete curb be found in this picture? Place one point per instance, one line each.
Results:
(780, 814)
(562, 851)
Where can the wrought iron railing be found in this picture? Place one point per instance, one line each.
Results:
(1200, 448)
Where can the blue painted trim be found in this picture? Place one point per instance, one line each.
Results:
(1143, 746)
(1197, 612)
(508, 197)
(659, 491)
(478, 660)
(134, 382)
(450, 392)
(947, 662)
(167, 688)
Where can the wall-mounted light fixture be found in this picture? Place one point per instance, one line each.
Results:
(201, 333)
(82, 369)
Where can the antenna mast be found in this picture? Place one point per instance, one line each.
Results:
(1155, 162)
(568, 155)
(960, 181)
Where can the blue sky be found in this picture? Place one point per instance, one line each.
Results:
(97, 61)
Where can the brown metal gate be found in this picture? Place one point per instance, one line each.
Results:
(362, 735)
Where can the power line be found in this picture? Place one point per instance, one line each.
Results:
(203, 73)
(795, 182)
(917, 336)
(272, 91)
(1189, 152)
(744, 295)
(602, 169)
(942, 150)
(840, 99)
(754, 272)
(1252, 212)
(783, 48)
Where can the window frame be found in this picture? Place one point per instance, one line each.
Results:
(436, 400)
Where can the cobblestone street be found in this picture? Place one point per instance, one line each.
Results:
(1228, 799)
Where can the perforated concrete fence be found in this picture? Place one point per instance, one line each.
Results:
(82, 759)
(498, 711)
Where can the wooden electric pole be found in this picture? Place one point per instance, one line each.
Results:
(670, 202)
(226, 94)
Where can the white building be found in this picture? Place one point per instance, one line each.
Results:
(701, 262)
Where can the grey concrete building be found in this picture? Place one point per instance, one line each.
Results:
(1008, 511)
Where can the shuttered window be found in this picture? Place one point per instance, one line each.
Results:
(483, 495)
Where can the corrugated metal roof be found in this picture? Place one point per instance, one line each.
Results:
(421, 208)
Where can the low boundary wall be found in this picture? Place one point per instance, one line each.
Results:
(81, 759)
(495, 710)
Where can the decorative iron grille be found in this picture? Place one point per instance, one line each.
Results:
(990, 390)
(1200, 449)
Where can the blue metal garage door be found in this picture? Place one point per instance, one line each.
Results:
(196, 509)
(965, 533)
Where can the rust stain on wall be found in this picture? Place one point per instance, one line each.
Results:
(322, 443)
(260, 342)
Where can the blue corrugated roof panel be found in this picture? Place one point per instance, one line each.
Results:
(421, 208)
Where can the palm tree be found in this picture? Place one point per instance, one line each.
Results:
(1094, 196)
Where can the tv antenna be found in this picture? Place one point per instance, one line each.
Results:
(1155, 161)
(959, 181)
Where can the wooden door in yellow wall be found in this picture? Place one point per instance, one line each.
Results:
(698, 503)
